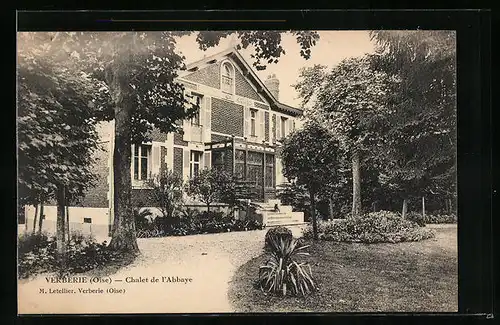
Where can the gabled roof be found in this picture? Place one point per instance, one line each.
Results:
(235, 55)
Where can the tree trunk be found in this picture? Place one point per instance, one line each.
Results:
(123, 236)
(423, 207)
(450, 208)
(34, 219)
(40, 219)
(356, 185)
(313, 214)
(330, 207)
(405, 208)
(68, 236)
(60, 228)
(208, 207)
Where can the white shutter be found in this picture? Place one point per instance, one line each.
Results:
(187, 160)
(246, 124)
(261, 134)
(289, 126)
(187, 130)
(278, 127)
(208, 160)
(155, 160)
(207, 124)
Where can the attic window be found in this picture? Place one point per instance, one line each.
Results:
(212, 61)
(227, 77)
(193, 69)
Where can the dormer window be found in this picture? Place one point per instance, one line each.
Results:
(227, 77)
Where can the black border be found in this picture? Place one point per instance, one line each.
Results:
(474, 112)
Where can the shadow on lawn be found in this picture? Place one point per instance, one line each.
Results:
(404, 277)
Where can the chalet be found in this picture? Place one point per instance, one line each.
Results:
(238, 128)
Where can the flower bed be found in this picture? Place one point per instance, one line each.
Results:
(193, 222)
(376, 227)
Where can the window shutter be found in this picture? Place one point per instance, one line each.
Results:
(155, 160)
(246, 118)
(261, 131)
(132, 164)
(278, 127)
(187, 130)
(207, 124)
(289, 126)
(208, 160)
(187, 159)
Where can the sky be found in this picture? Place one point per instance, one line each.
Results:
(332, 47)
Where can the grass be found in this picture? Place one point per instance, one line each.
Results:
(403, 277)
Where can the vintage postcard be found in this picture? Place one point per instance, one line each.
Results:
(242, 171)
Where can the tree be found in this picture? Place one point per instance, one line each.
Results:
(139, 71)
(56, 127)
(420, 154)
(167, 190)
(310, 157)
(350, 100)
(210, 186)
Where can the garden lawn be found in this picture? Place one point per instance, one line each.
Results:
(403, 277)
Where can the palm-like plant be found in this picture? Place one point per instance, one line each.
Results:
(282, 274)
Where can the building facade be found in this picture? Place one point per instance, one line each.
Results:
(238, 128)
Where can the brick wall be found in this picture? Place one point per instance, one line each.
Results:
(209, 76)
(178, 163)
(243, 87)
(97, 196)
(227, 117)
(217, 137)
(178, 140)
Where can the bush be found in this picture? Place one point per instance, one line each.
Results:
(375, 227)
(416, 217)
(431, 218)
(282, 274)
(277, 233)
(38, 253)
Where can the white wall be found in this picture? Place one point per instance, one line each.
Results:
(98, 227)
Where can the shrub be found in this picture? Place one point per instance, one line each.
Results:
(282, 274)
(441, 218)
(38, 253)
(416, 217)
(277, 232)
(375, 227)
(431, 218)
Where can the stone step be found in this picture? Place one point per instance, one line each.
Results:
(284, 222)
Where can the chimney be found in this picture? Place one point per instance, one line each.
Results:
(273, 84)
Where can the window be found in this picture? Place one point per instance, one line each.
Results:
(227, 78)
(141, 156)
(195, 163)
(253, 118)
(283, 127)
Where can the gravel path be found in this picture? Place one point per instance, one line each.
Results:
(209, 260)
